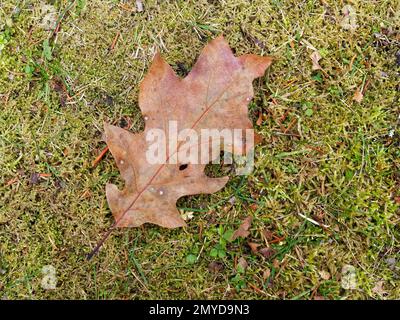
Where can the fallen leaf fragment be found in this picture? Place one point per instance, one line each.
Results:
(378, 288)
(268, 234)
(315, 57)
(325, 275)
(35, 178)
(266, 274)
(267, 252)
(358, 95)
(215, 267)
(59, 86)
(253, 247)
(242, 264)
(259, 119)
(349, 20)
(243, 230)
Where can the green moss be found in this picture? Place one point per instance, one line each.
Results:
(336, 163)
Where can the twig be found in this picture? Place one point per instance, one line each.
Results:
(140, 281)
(98, 246)
(290, 126)
(99, 157)
(61, 17)
(115, 41)
(313, 221)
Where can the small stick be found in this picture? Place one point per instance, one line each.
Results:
(98, 246)
(315, 149)
(99, 157)
(44, 175)
(256, 289)
(277, 239)
(114, 41)
(313, 221)
(61, 17)
(140, 281)
(366, 86)
(10, 182)
(290, 126)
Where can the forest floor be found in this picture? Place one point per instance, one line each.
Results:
(325, 192)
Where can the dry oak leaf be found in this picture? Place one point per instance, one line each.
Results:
(243, 230)
(214, 95)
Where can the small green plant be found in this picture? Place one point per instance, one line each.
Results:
(191, 258)
(307, 107)
(3, 41)
(5, 37)
(47, 50)
(239, 281)
(219, 250)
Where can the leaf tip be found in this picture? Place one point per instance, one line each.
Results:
(256, 64)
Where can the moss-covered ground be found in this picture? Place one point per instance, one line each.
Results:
(326, 159)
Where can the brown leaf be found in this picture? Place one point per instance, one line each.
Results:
(214, 95)
(215, 267)
(242, 263)
(253, 246)
(253, 206)
(258, 138)
(267, 252)
(259, 119)
(315, 57)
(268, 235)
(60, 88)
(358, 95)
(243, 230)
(266, 274)
(35, 178)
